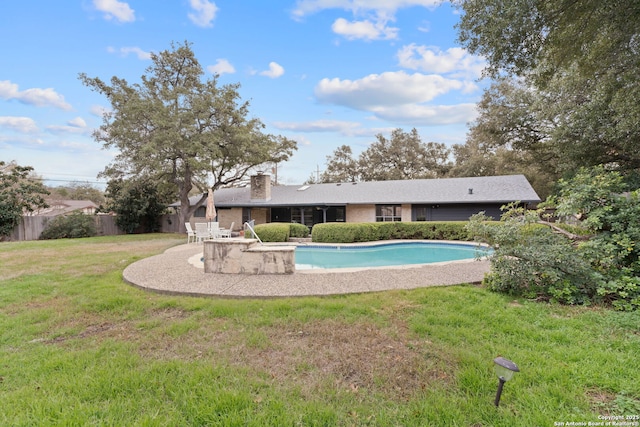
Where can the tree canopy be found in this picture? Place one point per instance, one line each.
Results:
(19, 193)
(177, 129)
(403, 156)
(550, 36)
(566, 77)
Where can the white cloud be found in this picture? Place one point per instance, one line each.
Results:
(34, 96)
(454, 60)
(205, 12)
(75, 126)
(308, 7)
(378, 14)
(221, 66)
(429, 115)
(366, 30)
(114, 9)
(125, 51)
(386, 89)
(275, 70)
(77, 122)
(98, 110)
(344, 128)
(318, 126)
(18, 124)
(398, 97)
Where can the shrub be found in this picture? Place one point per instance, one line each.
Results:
(272, 232)
(596, 261)
(298, 230)
(279, 231)
(340, 232)
(70, 226)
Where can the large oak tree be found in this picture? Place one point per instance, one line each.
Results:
(402, 156)
(571, 69)
(182, 130)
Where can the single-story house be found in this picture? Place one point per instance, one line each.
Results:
(64, 207)
(443, 199)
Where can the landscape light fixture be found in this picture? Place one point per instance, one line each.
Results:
(504, 370)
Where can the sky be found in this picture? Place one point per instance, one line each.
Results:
(324, 73)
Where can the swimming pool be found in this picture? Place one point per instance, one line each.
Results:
(383, 254)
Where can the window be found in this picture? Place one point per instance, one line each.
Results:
(420, 213)
(246, 215)
(386, 213)
(302, 216)
(201, 212)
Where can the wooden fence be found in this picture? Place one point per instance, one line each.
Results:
(31, 227)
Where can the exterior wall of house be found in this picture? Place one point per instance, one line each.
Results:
(259, 215)
(228, 216)
(361, 213)
(225, 217)
(406, 213)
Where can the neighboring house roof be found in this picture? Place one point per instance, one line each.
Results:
(486, 189)
(61, 207)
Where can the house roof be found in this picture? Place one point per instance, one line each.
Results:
(486, 189)
(60, 207)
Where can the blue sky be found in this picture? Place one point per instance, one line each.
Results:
(322, 72)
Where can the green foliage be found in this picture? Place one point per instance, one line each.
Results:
(530, 260)
(509, 137)
(298, 230)
(137, 202)
(567, 74)
(182, 130)
(340, 232)
(403, 156)
(272, 232)
(533, 261)
(78, 191)
(595, 196)
(550, 36)
(70, 226)
(19, 193)
(279, 231)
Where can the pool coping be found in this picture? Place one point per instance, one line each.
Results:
(172, 273)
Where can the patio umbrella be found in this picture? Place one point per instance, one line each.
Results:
(210, 214)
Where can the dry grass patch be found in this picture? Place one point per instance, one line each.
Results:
(357, 357)
(353, 357)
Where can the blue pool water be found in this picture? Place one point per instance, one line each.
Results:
(384, 254)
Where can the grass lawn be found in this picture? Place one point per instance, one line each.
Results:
(80, 347)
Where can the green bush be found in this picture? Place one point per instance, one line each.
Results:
(351, 232)
(298, 230)
(272, 232)
(595, 261)
(70, 226)
(279, 231)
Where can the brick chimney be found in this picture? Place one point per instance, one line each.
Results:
(261, 187)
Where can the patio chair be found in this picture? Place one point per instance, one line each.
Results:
(214, 230)
(191, 235)
(202, 232)
(226, 232)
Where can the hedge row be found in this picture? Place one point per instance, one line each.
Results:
(351, 232)
(70, 226)
(279, 231)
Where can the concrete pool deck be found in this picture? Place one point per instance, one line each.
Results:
(178, 271)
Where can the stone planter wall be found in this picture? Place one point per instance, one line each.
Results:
(247, 256)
